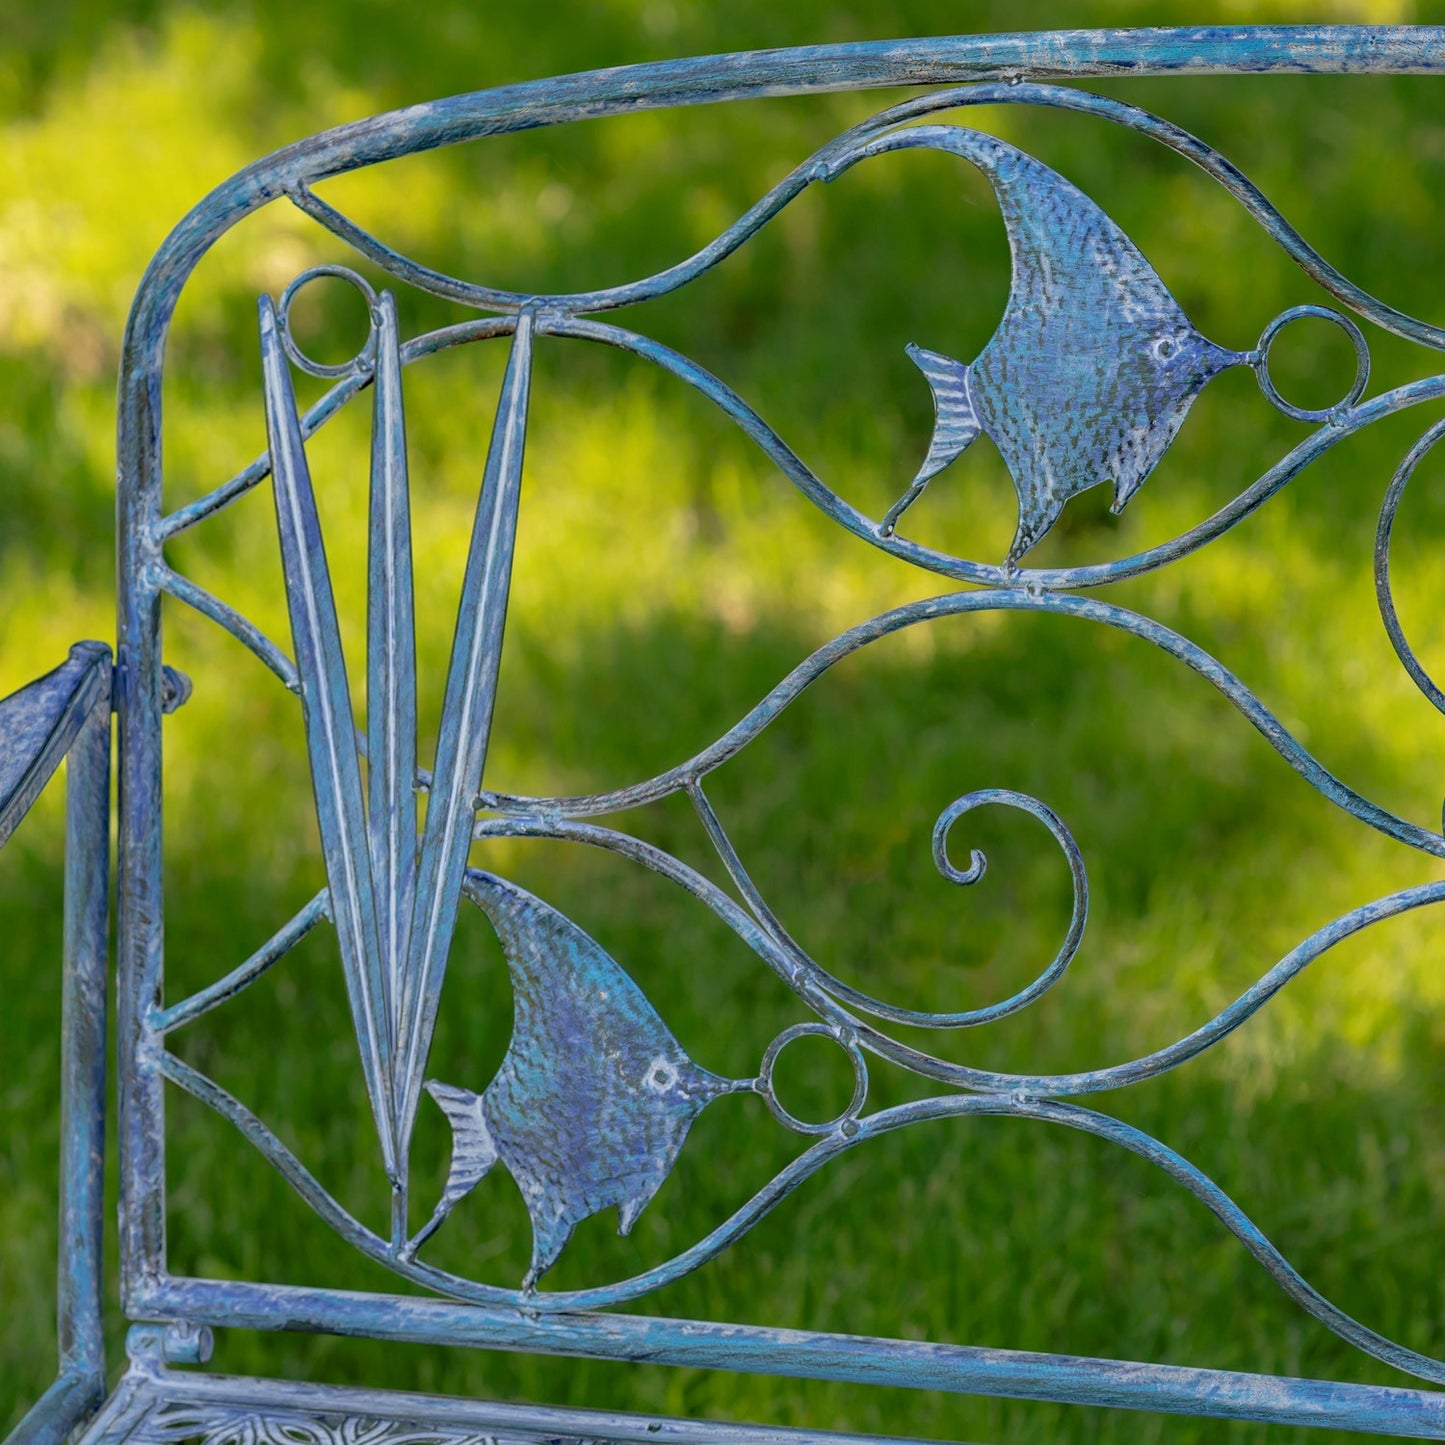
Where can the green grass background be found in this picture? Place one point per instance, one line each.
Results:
(666, 578)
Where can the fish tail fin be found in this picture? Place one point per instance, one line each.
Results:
(474, 1151)
(955, 425)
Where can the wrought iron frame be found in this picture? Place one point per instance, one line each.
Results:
(380, 887)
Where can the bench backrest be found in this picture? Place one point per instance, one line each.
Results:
(1087, 379)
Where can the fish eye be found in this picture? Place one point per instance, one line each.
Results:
(1166, 347)
(661, 1076)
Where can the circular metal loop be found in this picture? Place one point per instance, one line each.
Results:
(1259, 360)
(1384, 588)
(362, 361)
(764, 1084)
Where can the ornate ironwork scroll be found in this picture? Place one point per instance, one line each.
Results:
(1087, 379)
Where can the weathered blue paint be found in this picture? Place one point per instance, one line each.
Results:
(1071, 1379)
(1093, 367)
(391, 672)
(66, 714)
(157, 1407)
(594, 1099)
(330, 738)
(466, 724)
(39, 725)
(566, 1113)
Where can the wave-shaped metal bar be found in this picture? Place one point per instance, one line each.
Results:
(844, 151)
(186, 517)
(1088, 1121)
(471, 691)
(822, 496)
(810, 982)
(1015, 1105)
(923, 1018)
(797, 471)
(955, 604)
(330, 737)
(162, 1021)
(285, 1163)
(224, 615)
(1384, 592)
(828, 162)
(1166, 133)
(493, 298)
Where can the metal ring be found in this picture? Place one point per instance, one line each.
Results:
(764, 1083)
(1260, 362)
(362, 361)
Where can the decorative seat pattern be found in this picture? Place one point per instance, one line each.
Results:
(1087, 379)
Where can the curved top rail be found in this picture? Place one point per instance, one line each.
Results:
(1206, 50)
(938, 60)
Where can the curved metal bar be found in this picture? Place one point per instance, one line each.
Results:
(1384, 591)
(955, 604)
(1203, 155)
(1254, 998)
(867, 1003)
(275, 948)
(844, 151)
(183, 518)
(226, 616)
(1341, 425)
(1234, 1219)
(793, 966)
(828, 162)
(492, 298)
(809, 982)
(276, 1154)
(1088, 1121)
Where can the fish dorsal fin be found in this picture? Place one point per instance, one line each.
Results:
(560, 972)
(1061, 238)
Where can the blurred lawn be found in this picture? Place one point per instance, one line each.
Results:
(666, 579)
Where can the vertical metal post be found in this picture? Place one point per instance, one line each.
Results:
(83, 1037)
(80, 1385)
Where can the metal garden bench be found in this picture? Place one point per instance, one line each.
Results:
(1087, 379)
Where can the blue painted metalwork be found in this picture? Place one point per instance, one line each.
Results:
(66, 715)
(1092, 369)
(1087, 379)
(594, 1100)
